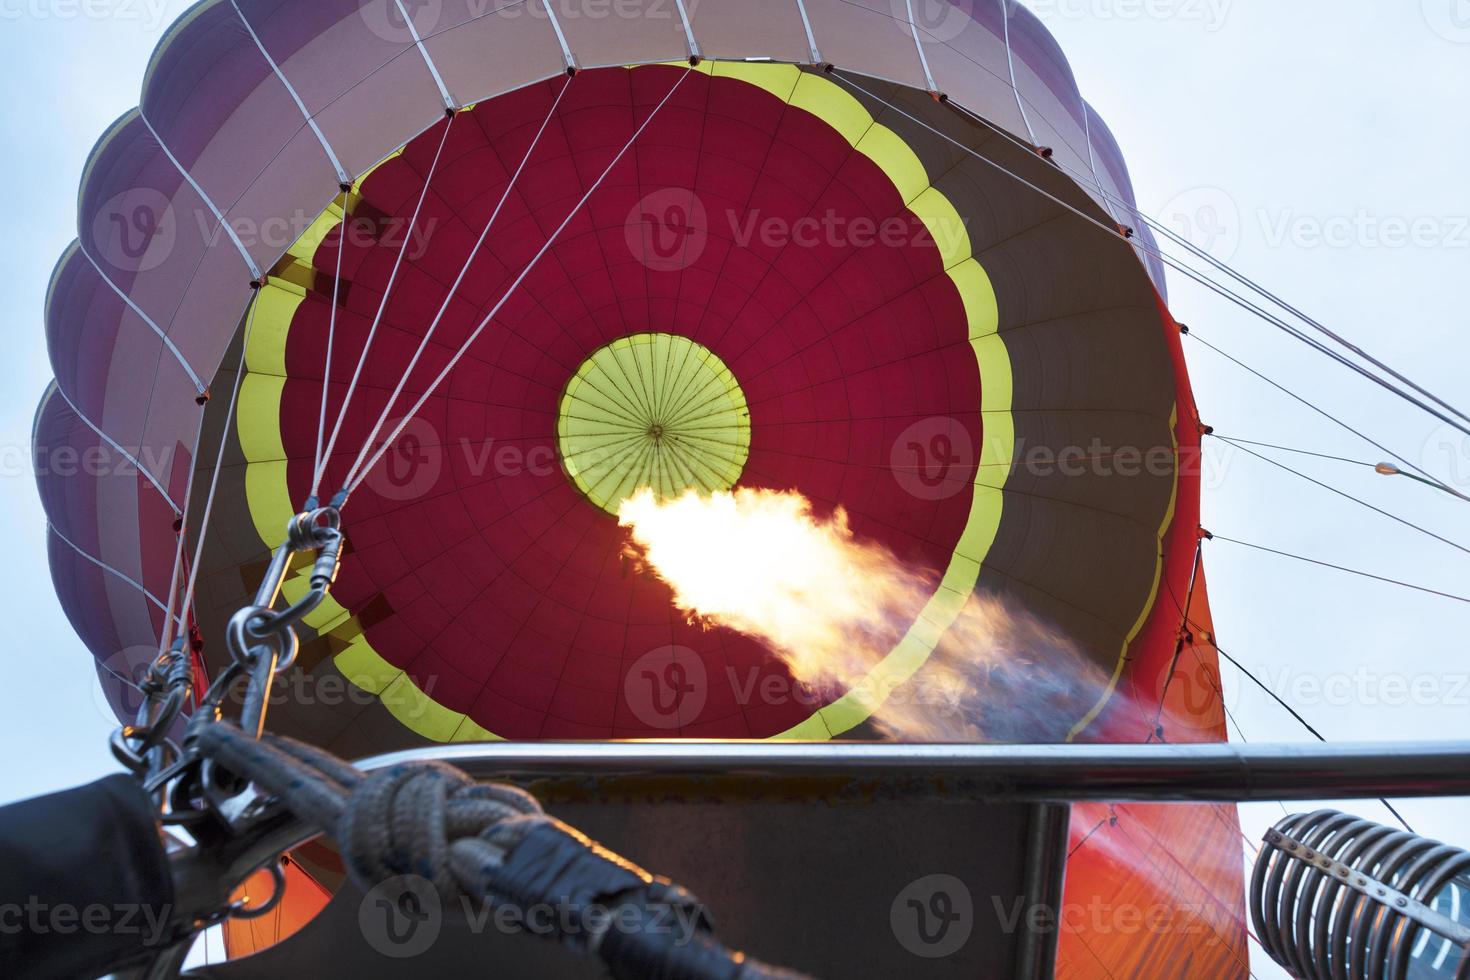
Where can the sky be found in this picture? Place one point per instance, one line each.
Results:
(1319, 146)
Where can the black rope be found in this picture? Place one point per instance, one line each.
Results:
(1303, 721)
(490, 842)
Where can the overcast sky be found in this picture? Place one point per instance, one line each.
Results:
(1320, 146)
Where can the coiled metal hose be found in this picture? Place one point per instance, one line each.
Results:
(1337, 897)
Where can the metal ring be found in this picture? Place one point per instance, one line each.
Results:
(124, 753)
(239, 910)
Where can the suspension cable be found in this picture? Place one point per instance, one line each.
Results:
(1218, 264)
(321, 430)
(321, 468)
(1347, 496)
(1301, 720)
(1185, 270)
(1319, 410)
(1291, 449)
(1341, 568)
(361, 472)
(219, 456)
(449, 296)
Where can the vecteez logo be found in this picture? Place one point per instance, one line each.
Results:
(933, 916)
(667, 688)
(1207, 218)
(937, 21)
(402, 917)
(135, 231)
(397, 21)
(412, 465)
(1450, 19)
(668, 230)
(932, 458)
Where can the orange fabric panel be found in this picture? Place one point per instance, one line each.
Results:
(1158, 890)
(304, 898)
(1154, 891)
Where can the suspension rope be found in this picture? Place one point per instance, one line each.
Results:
(1185, 270)
(321, 468)
(219, 456)
(1347, 496)
(1298, 716)
(449, 296)
(1290, 449)
(321, 430)
(1190, 624)
(166, 635)
(1316, 408)
(1179, 643)
(495, 310)
(1341, 568)
(1220, 265)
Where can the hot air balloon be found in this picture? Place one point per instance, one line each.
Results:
(492, 270)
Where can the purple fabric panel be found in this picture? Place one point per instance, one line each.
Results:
(493, 54)
(1112, 173)
(209, 312)
(1034, 47)
(966, 50)
(633, 32)
(95, 496)
(144, 225)
(115, 621)
(84, 319)
(1050, 92)
(329, 47)
(209, 46)
(728, 28)
(280, 205)
(867, 36)
(286, 26)
(1109, 157)
(219, 107)
(399, 99)
(68, 496)
(99, 350)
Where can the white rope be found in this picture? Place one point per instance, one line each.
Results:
(474, 335)
(382, 421)
(321, 429)
(219, 457)
(166, 635)
(321, 467)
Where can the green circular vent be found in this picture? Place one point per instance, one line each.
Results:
(652, 410)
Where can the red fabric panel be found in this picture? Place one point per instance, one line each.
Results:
(509, 590)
